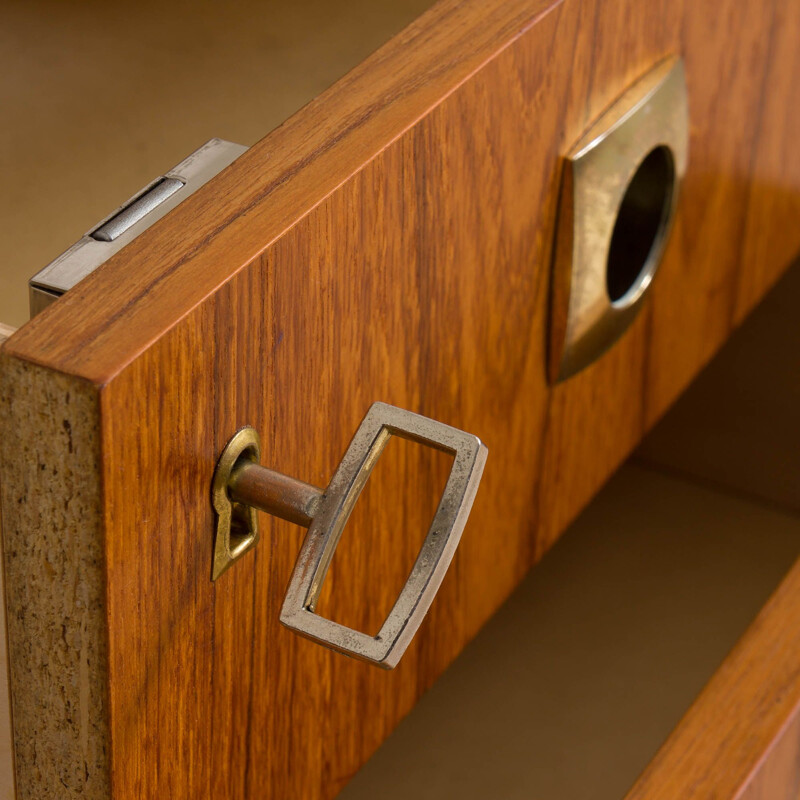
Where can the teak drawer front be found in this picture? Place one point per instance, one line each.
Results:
(391, 241)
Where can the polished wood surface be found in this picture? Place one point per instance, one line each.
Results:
(777, 777)
(321, 151)
(392, 242)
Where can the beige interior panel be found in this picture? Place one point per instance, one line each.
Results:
(738, 425)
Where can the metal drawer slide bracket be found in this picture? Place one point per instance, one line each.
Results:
(241, 486)
(129, 221)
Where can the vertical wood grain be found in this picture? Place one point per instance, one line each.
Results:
(693, 312)
(423, 284)
(773, 203)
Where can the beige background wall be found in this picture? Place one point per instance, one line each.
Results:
(99, 98)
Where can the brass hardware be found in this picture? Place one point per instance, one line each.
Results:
(274, 492)
(241, 485)
(237, 523)
(618, 199)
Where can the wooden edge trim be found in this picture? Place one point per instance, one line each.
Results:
(105, 322)
(719, 745)
(50, 498)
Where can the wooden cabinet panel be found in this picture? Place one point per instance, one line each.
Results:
(777, 777)
(391, 242)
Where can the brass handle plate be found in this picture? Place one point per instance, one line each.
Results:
(240, 484)
(618, 199)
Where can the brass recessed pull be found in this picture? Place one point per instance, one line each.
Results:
(241, 485)
(618, 199)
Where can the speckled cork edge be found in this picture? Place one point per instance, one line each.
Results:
(50, 497)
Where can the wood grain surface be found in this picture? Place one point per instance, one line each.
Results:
(741, 737)
(777, 776)
(392, 242)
